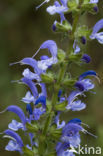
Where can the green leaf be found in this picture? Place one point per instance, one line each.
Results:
(47, 78)
(27, 152)
(31, 128)
(63, 27)
(61, 106)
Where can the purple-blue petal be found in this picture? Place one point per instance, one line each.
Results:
(75, 120)
(42, 100)
(51, 46)
(13, 146)
(17, 110)
(31, 62)
(43, 89)
(97, 27)
(79, 85)
(87, 73)
(31, 85)
(44, 57)
(15, 125)
(29, 109)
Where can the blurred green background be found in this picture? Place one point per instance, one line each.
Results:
(22, 31)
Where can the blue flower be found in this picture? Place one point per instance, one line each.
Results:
(42, 65)
(15, 126)
(57, 8)
(38, 112)
(57, 121)
(95, 33)
(45, 64)
(13, 146)
(71, 130)
(86, 58)
(16, 137)
(77, 105)
(84, 85)
(73, 104)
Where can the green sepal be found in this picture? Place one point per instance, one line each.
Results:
(83, 31)
(61, 106)
(65, 26)
(75, 57)
(73, 5)
(47, 78)
(27, 152)
(55, 133)
(61, 55)
(31, 128)
(69, 82)
(88, 7)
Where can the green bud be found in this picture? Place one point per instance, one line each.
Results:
(63, 27)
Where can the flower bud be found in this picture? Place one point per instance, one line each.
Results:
(83, 40)
(95, 9)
